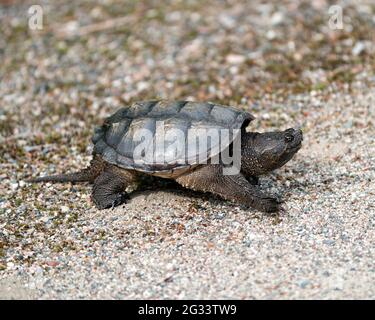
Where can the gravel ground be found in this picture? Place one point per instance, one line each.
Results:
(278, 60)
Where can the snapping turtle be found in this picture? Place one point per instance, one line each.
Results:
(115, 164)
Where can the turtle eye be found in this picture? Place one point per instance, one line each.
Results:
(289, 137)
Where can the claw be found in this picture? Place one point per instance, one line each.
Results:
(111, 204)
(121, 198)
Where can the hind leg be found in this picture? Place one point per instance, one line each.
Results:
(109, 187)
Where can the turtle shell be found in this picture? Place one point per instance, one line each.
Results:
(118, 139)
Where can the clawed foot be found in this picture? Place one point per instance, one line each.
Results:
(269, 205)
(111, 201)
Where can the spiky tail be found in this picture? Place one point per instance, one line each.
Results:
(80, 176)
(85, 175)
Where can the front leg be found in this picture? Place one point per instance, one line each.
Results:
(236, 188)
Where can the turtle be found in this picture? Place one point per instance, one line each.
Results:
(114, 166)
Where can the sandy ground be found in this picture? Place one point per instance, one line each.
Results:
(168, 242)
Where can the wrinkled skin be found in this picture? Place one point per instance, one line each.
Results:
(264, 152)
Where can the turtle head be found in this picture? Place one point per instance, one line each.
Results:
(264, 152)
